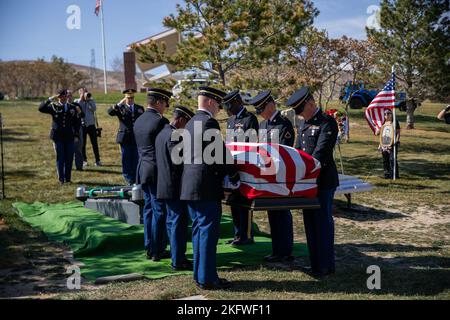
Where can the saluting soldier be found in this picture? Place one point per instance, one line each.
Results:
(277, 129)
(317, 137)
(65, 131)
(202, 186)
(146, 129)
(169, 141)
(242, 126)
(127, 112)
(78, 145)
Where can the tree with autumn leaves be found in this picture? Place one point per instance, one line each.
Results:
(30, 79)
(221, 37)
(257, 45)
(271, 44)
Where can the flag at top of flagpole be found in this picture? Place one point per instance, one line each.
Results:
(385, 99)
(99, 10)
(98, 5)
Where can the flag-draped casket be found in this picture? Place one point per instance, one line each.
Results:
(270, 170)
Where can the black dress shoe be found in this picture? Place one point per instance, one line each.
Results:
(317, 273)
(240, 242)
(222, 284)
(162, 255)
(186, 266)
(287, 258)
(309, 271)
(149, 255)
(272, 258)
(165, 255)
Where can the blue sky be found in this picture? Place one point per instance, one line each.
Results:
(31, 29)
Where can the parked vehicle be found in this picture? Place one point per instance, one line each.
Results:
(356, 96)
(190, 84)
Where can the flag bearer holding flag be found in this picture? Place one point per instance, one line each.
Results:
(381, 106)
(387, 144)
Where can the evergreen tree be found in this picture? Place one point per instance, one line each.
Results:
(220, 37)
(414, 36)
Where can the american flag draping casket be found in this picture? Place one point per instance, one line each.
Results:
(270, 170)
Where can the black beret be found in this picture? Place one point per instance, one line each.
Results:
(212, 93)
(184, 112)
(298, 99)
(159, 93)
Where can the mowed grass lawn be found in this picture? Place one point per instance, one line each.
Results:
(402, 226)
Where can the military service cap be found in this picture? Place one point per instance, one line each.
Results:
(183, 112)
(212, 93)
(129, 92)
(230, 97)
(261, 100)
(298, 100)
(159, 93)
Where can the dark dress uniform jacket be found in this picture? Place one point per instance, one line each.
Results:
(283, 125)
(317, 137)
(243, 121)
(65, 124)
(204, 181)
(169, 174)
(146, 128)
(127, 119)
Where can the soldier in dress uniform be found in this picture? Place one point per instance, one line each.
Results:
(146, 129)
(242, 126)
(65, 131)
(317, 137)
(78, 146)
(276, 129)
(169, 185)
(127, 112)
(202, 185)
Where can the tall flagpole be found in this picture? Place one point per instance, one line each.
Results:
(105, 80)
(395, 131)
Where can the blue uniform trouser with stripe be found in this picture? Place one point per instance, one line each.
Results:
(205, 217)
(242, 222)
(78, 150)
(319, 229)
(177, 226)
(64, 159)
(155, 231)
(130, 158)
(282, 232)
